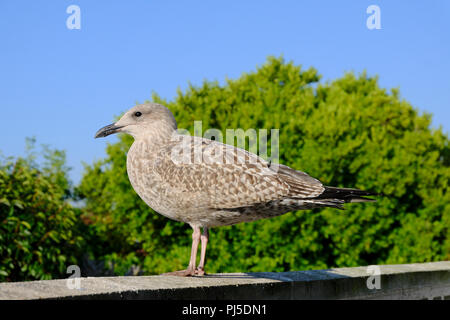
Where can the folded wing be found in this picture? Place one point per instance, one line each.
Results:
(223, 176)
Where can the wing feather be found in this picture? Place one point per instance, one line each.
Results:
(218, 175)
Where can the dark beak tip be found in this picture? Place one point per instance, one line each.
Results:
(100, 133)
(106, 131)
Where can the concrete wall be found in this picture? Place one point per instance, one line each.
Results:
(408, 281)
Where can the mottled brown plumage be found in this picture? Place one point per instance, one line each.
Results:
(207, 184)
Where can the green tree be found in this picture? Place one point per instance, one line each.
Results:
(40, 232)
(348, 133)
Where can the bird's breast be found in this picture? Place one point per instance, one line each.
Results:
(147, 182)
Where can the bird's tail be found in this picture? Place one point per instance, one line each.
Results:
(348, 194)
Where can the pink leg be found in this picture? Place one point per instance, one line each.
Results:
(204, 238)
(195, 241)
(190, 271)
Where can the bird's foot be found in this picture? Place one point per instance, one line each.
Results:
(199, 272)
(181, 273)
(186, 273)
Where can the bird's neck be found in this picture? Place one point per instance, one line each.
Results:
(154, 138)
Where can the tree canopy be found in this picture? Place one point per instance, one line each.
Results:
(347, 133)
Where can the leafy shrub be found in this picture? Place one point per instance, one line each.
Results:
(40, 232)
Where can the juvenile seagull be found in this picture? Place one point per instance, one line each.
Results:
(207, 184)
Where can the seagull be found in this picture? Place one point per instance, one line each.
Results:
(207, 184)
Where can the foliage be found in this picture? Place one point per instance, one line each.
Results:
(348, 133)
(40, 232)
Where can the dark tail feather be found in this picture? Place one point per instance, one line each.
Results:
(332, 203)
(347, 194)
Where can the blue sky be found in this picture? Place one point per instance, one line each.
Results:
(61, 85)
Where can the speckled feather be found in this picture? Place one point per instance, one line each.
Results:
(207, 183)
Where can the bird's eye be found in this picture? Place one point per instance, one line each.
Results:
(138, 114)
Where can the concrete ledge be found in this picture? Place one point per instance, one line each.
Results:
(408, 281)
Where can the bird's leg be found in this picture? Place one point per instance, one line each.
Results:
(190, 271)
(195, 241)
(204, 239)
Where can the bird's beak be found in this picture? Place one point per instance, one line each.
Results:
(107, 130)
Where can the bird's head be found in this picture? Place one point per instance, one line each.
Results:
(142, 120)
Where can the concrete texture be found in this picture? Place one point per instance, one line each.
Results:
(408, 281)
